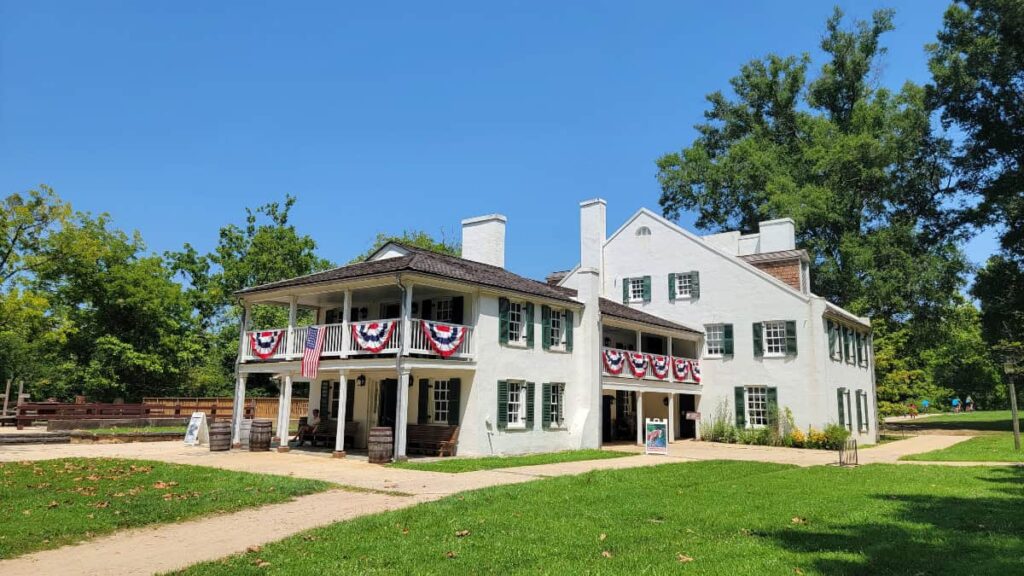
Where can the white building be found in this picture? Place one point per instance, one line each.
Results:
(439, 348)
(767, 338)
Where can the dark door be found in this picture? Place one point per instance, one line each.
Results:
(388, 403)
(606, 419)
(687, 403)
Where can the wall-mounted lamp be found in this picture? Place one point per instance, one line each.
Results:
(665, 400)
(361, 380)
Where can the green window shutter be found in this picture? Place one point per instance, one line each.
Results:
(502, 404)
(849, 411)
(695, 284)
(545, 407)
(727, 340)
(842, 407)
(773, 406)
(867, 411)
(672, 287)
(758, 339)
(424, 400)
(545, 322)
(741, 418)
(625, 290)
(790, 338)
(454, 395)
(568, 330)
(529, 324)
(830, 328)
(860, 414)
(530, 387)
(647, 288)
(503, 305)
(856, 341)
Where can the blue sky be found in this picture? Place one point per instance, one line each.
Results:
(174, 116)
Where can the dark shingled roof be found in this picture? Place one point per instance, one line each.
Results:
(775, 256)
(424, 262)
(623, 312)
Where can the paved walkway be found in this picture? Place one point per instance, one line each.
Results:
(173, 546)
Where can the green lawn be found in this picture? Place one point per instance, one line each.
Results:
(986, 448)
(991, 421)
(142, 430)
(51, 503)
(456, 465)
(713, 517)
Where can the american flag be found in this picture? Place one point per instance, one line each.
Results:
(311, 352)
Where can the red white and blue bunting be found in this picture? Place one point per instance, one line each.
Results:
(445, 339)
(373, 336)
(614, 361)
(638, 363)
(686, 370)
(264, 344)
(659, 366)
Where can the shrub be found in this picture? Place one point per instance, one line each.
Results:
(886, 408)
(835, 436)
(720, 427)
(815, 438)
(796, 438)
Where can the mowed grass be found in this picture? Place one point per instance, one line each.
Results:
(982, 421)
(712, 517)
(457, 465)
(141, 430)
(986, 448)
(51, 503)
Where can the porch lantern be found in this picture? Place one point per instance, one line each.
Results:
(361, 380)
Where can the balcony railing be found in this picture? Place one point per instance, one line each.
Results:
(340, 341)
(626, 364)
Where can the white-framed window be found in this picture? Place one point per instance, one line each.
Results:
(775, 338)
(636, 289)
(757, 406)
(714, 338)
(516, 323)
(516, 404)
(684, 286)
(557, 405)
(439, 405)
(557, 334)
(643, 231)
(443, 310)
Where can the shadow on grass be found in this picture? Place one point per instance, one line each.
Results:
(977, 421)
(926, 535)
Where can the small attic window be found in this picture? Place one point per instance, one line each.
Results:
(643, 231)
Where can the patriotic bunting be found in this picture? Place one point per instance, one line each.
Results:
(373, 336)
(681, 369)
(614, 361)
(659, 365)
(695, 371)
(265, 343)
(638, 363)
(445, 339)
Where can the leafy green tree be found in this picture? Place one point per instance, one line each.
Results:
(416, 238)
(25, 222)
(999, 287)
(860, 170)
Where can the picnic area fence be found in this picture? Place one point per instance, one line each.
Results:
(264, 408)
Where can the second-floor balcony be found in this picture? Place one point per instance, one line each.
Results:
(620, 363)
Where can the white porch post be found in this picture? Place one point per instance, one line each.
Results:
(239, 415)
(402, 418)
(346, 330)
(286, 413)
(293, 308)
(671, 418)
(407, 320)
(669, 346)
(639, 342)
(339, 440)
(639, 417)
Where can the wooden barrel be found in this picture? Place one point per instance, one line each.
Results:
(381, 445)
(220, 435)
(259, 435)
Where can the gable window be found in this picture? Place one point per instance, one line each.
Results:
(775, 338)
(643, 231)
(443, 310)
(757, 406)
(440, 404)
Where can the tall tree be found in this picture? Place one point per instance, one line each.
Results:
(416, 238)
(857, 166)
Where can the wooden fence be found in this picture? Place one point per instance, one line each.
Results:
(265, 408)
(30, 412)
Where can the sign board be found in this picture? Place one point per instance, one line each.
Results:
(693, 415)
(197, 432)
(655, 436)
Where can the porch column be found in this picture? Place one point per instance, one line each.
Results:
(339, 439)
(406, 322)
(346, 329)
(239, 415)
(671, 418)
(293, 307)
(639, 417)
(286, 413)
(402, 418)
(669, 347)
(639, 342)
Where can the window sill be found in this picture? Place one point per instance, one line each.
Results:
(516, 344)
(713, 357)
(558, 349)
(515, 427)
(774, 356)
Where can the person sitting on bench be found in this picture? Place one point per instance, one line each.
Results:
(310, 427)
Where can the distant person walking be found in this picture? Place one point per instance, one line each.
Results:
(956, 405)
(924, 405)
(969, 403)
(912, 410)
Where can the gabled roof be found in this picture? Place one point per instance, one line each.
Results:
(424, 262)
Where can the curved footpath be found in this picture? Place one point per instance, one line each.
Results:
(166, 547)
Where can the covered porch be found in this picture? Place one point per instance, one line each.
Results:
(624, 406)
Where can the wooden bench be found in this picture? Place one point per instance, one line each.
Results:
(326, 433)
(431, 440)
